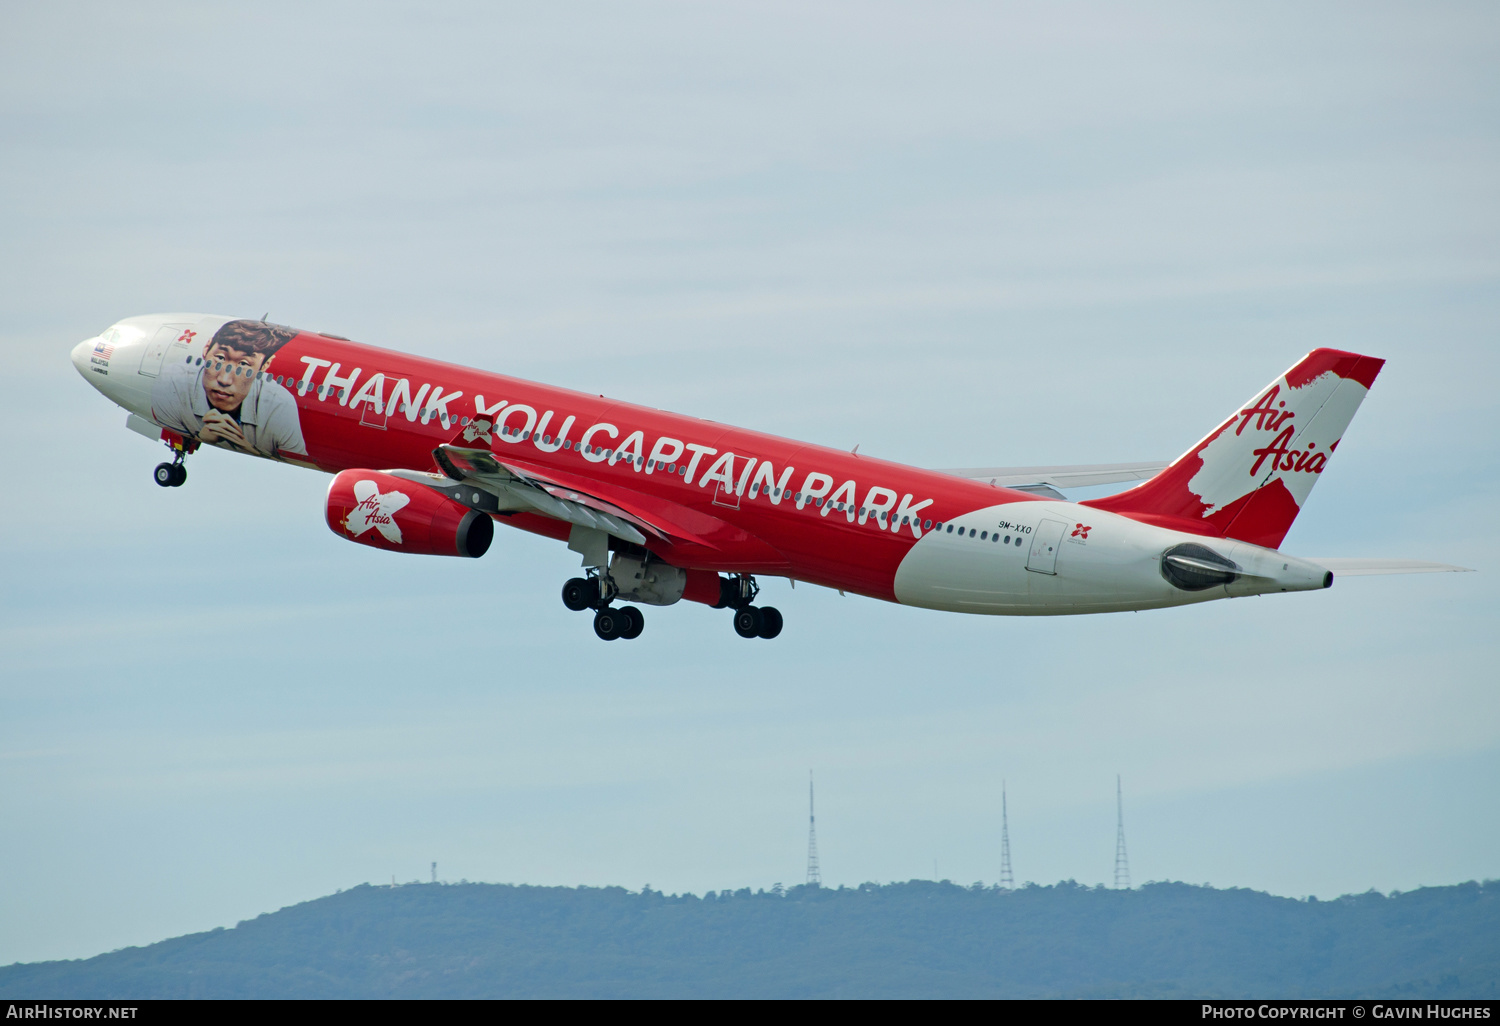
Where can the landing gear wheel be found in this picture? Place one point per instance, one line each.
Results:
(580, 593)
(748, 622)
(609, 624)
(770, 622)
(165, 475)
(636, 622)
(179, 475)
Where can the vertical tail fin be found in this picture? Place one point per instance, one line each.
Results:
(1250, 478)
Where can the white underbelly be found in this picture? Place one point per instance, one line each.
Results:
(1102, 563)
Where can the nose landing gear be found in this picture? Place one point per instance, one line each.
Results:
(170, 475)
(174, 474)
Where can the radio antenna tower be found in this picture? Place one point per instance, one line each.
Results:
(814, 878)
(1122, 862)
(1007, 880)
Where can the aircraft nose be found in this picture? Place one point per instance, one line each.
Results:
(81, 353)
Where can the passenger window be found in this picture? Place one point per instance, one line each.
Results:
(984, 536)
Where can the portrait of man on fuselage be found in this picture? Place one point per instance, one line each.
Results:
(229, 398)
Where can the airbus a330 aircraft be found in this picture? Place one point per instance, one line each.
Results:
(428, 456)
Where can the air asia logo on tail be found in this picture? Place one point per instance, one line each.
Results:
(1249, 479)
(376, 509)
(1272, 418)
(1267, 417)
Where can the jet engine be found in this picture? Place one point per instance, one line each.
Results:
(388, 512)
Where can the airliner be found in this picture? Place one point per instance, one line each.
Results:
(427, 457)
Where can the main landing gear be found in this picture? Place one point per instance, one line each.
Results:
(597, 593)
(626, 622)
(757, 622)
(750, 621)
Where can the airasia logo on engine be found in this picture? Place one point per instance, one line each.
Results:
(376, 510)
(1270, 414)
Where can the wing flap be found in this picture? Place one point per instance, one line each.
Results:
(553, 500)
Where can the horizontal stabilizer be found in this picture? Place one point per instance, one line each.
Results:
(1343, 567)
(1062, 477)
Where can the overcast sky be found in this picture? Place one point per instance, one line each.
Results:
(954, 234)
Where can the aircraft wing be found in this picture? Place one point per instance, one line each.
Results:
(542, 495)
(1046, 480)
(1344, 567)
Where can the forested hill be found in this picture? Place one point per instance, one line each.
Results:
(899, 940)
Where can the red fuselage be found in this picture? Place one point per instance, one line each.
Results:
(716, 523)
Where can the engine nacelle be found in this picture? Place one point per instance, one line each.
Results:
(388, 512)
